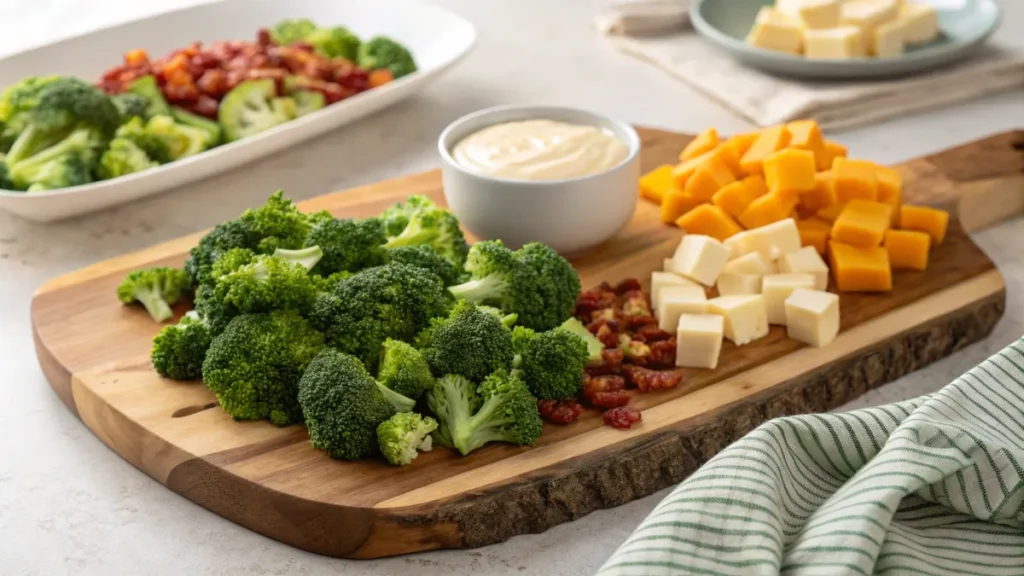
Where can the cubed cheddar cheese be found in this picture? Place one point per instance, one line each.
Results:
(833, 150)
(841, 42)
(768, 140)
(662, 280)
(776, 288)
(701, 258)
(806, 135)
(773, 240)
(806, 260)
(709, 220)
(862, 223)
(924, 219)
(705, 142)
(767, 209)
(657, 183)
(729, 284)
(740, 143)
(684, 170)
(773, 31)
(709, 178)
(676, 300)
(817, 14)
(699, 340)
(789, 172)
(756, 185)
(831, 213)
(860, 269)
(868, 14)
(854, 179)
(675, 204)
(733, 198)
(888, 39)
(908, 249)
(890, 190)
(821, 196)
(814, 233)
(750, 264)
(920, 22)
(746, 318)
(812, 316)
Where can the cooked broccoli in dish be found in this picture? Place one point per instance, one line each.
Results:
(154, 145)
(551, 363)
(252, 107)
(260, 283)
(404, 370)
(131, 105)
(179, 350)
(594, 346)
(181, 140)
(425, 257)
(123, 157)
(470, 342)
(254, 366)
(155, 288)
(334, 42)
(308, 101)
(434, 227)
(5, 177)
(342, 406)
(16, 101)
(348, 245)
(147, 88)
(403, 436)
(383, 52)
(211, 129)
(291, 30)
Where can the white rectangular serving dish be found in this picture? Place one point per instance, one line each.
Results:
(437, 39)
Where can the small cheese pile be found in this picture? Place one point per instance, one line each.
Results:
(830, 29)
(848, 210)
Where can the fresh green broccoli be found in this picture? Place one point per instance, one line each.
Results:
(342, 406)
(422, 256)
(594, 346)
(155, 288)
(402, 436)
(404, 370)
(123, 157)
(181, 140)
(328, 283)
(308, 101)
(254, 366)
(131, 105)
(212, 130)
(551, 363)
(383, 52)
(289, 31)
(147, 87)
(396, 217)
(390, 301)
(334, 42)
(67, 163)
(179, 350)
(215, 313)
(154, 145)
(434, 227)
(22, 96)
(501, 409)
(348, 245)
(260, 283)
(254, 106)
(509, 320)
(558, 284)
(469, 342)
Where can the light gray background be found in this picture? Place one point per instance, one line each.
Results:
(68, 505)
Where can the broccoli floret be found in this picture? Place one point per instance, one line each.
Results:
(69, 170)
(154, 145)
(254, 366)
(402, 436)
(181, 140)
(425, 257)
(131, 105)
(260, 283)
(307, 101)
(508, 320)
(434, 227)
(123, 157)
(215, 313)
(67, 163)
(594, 346)
(390, 301)
(328, 283)
(179, 350)
(558, 284)
(289, 31)
(22, 96)
(396, 217)
(383, 52)
(404, 370)
(334, 42)
(348, 245)
(212, 130)
(254, 106)
(470, 342)
(147, 87)
(342, 406)
(454, 401)
(155, 288)
(551, 363)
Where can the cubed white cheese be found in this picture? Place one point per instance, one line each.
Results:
(737, 244)
(834, 43)
(668, 266)
(676, 300)
(700, 258)
(773, 31)
(774, 240)
(745, 317)
(806, 261)
(699, 340)
(812, 316)
(729, 284)
(920, 22)
(814, 13)
(888, 40)
(776, 288)
(752, 263)
(868, 15)
(660, 280)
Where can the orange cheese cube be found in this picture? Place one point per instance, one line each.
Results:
(833, 150)
(768, 140)
(862, 223)
(733, 198)
(705, 142)
(854, 179)
(675, 204)
(908, 249)
(814, 232)
(728, 156)
(657, 183)
(832, 212)
(756, 185)
(740, 143)
(708, 179)
(925, 219)
(789, 172)
(769, 208)
(860, 269)
(709, 220)
(890, 190)
(806, 135)
(822, 196)
(682, 172)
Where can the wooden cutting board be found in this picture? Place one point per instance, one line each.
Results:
(95, 353)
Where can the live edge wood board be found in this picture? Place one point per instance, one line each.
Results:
(95, 353)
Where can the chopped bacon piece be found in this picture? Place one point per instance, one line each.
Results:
(634, 350)
(611, 363)
(651, 333)
(637, 322)
(663, 354)
(647, 379)
(622, 418)
(603, 314)
(635, 304)
(614, 399)
(559, 411)
(607, 336)
(607, 391)
(627, 285)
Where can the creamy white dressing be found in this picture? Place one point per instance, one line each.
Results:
(540, 150)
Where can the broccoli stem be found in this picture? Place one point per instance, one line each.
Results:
(401, 403)
(31, 140)
(155, 304)
(482, 428)
(486, 288)
(305, 257)
(413, 235)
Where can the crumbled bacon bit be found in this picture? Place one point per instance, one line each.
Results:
(663, 354)
(627, 285)
(647, 379)
(651, 333)
(622, 418)
(615, 399)
(559, 411)
(635, 304)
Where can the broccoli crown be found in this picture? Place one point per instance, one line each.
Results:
(153, 144)
(180, 140)
(342, 406)
(252, 107)
(501, 410)
(291, 30)
(328, 283)
(254, 366)
(508, 320)
(453, 400)
(260, 283)
(501, 280)
(389, 301)
(383, 52)
(123, 157)
(155, 288)
(396, 217)
(402, 436)
(179, 350)
(425, 257)
(147, 87)
(69, 101)
(73, 169)
(470, 342)
(215, 313)
(67, 162)
(130, 105)
(404, 370)
(551, 363)
(21, 97)
(558, 284)
(594, 346)
(334, 42)
(434, 227)
(348, 245)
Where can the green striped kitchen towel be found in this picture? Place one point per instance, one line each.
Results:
(930, 486)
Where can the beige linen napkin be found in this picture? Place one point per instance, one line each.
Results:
(657, 31)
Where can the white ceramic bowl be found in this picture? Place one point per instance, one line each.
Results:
(571, 215)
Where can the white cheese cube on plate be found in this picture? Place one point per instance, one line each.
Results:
(813, 13)
(699, 340)
(752, 263)
(773, 31)
(806, 261)
(700, 258)
(729, 284)
(677, 300)
(737, 244)
(661, 280)
(868, 15)
(834, 43)
(668, 266)
(888, 40)
(745, 317)
(776, 288)
(812, 316)
(920, 22)
(774, 240)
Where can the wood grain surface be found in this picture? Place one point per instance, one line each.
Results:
(95, 353)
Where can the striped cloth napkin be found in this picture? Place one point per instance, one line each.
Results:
(930, 486)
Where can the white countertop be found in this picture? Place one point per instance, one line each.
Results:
(69, 505)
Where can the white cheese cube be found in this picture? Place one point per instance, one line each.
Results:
(776, 288)
(920, 22)
(745, 317)
(676, 300)
(699, 340)
(806, 261)
(868, 15)
(774, 240)
(773, 31)
(752, 263)
(817, 14)
(701, 258)
(812, 316)
(668, 266)
(660, 280)
(834, 43)
(729, 284)
(737, 244)
(888, 40)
